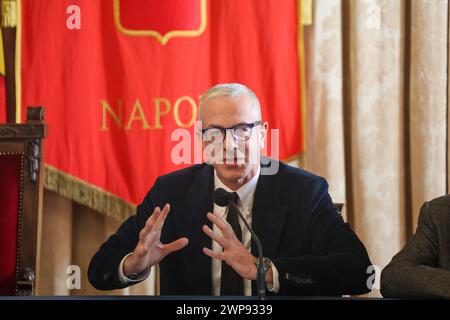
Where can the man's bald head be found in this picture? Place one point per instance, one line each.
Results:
(230, 90)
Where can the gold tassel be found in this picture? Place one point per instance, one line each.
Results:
(9, 13)
(306, 12)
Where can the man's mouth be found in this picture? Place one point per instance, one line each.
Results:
(234, 161)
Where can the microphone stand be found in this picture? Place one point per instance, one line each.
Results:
(260, 276)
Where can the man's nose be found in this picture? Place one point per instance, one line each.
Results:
(230, 143)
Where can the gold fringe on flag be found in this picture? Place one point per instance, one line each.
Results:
(87, 194)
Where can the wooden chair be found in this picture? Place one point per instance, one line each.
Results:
(21, 195)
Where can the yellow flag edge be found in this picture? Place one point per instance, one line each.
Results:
(2, 55)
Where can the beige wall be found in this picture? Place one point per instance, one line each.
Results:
(71, 234)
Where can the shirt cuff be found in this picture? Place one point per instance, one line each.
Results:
(275, 286)
(136, 278)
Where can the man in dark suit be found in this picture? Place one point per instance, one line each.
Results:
(203, 249)
(422, 268)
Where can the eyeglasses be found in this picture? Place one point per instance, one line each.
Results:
(240, 132)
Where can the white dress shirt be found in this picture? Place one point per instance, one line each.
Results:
(246, 195)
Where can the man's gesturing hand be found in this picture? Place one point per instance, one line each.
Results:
(234, 252)
(149, 250)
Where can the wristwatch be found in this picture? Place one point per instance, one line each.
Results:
(267, 263)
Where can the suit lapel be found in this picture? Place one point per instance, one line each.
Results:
(268, 217)
(191, 218)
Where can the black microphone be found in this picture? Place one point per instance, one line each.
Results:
(223, 198)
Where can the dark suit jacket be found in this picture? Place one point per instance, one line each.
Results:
(314, 251)
(422, 268)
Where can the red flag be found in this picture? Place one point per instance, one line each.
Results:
(117, 77)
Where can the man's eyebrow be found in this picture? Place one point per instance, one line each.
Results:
(217, 126)
(214, 126)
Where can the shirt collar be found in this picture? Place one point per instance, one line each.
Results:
(246, 192)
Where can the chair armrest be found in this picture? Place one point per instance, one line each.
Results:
(25, 282)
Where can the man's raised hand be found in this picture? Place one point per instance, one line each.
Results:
(149, 250)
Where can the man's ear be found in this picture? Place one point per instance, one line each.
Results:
(264, 130)
(198, 129)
